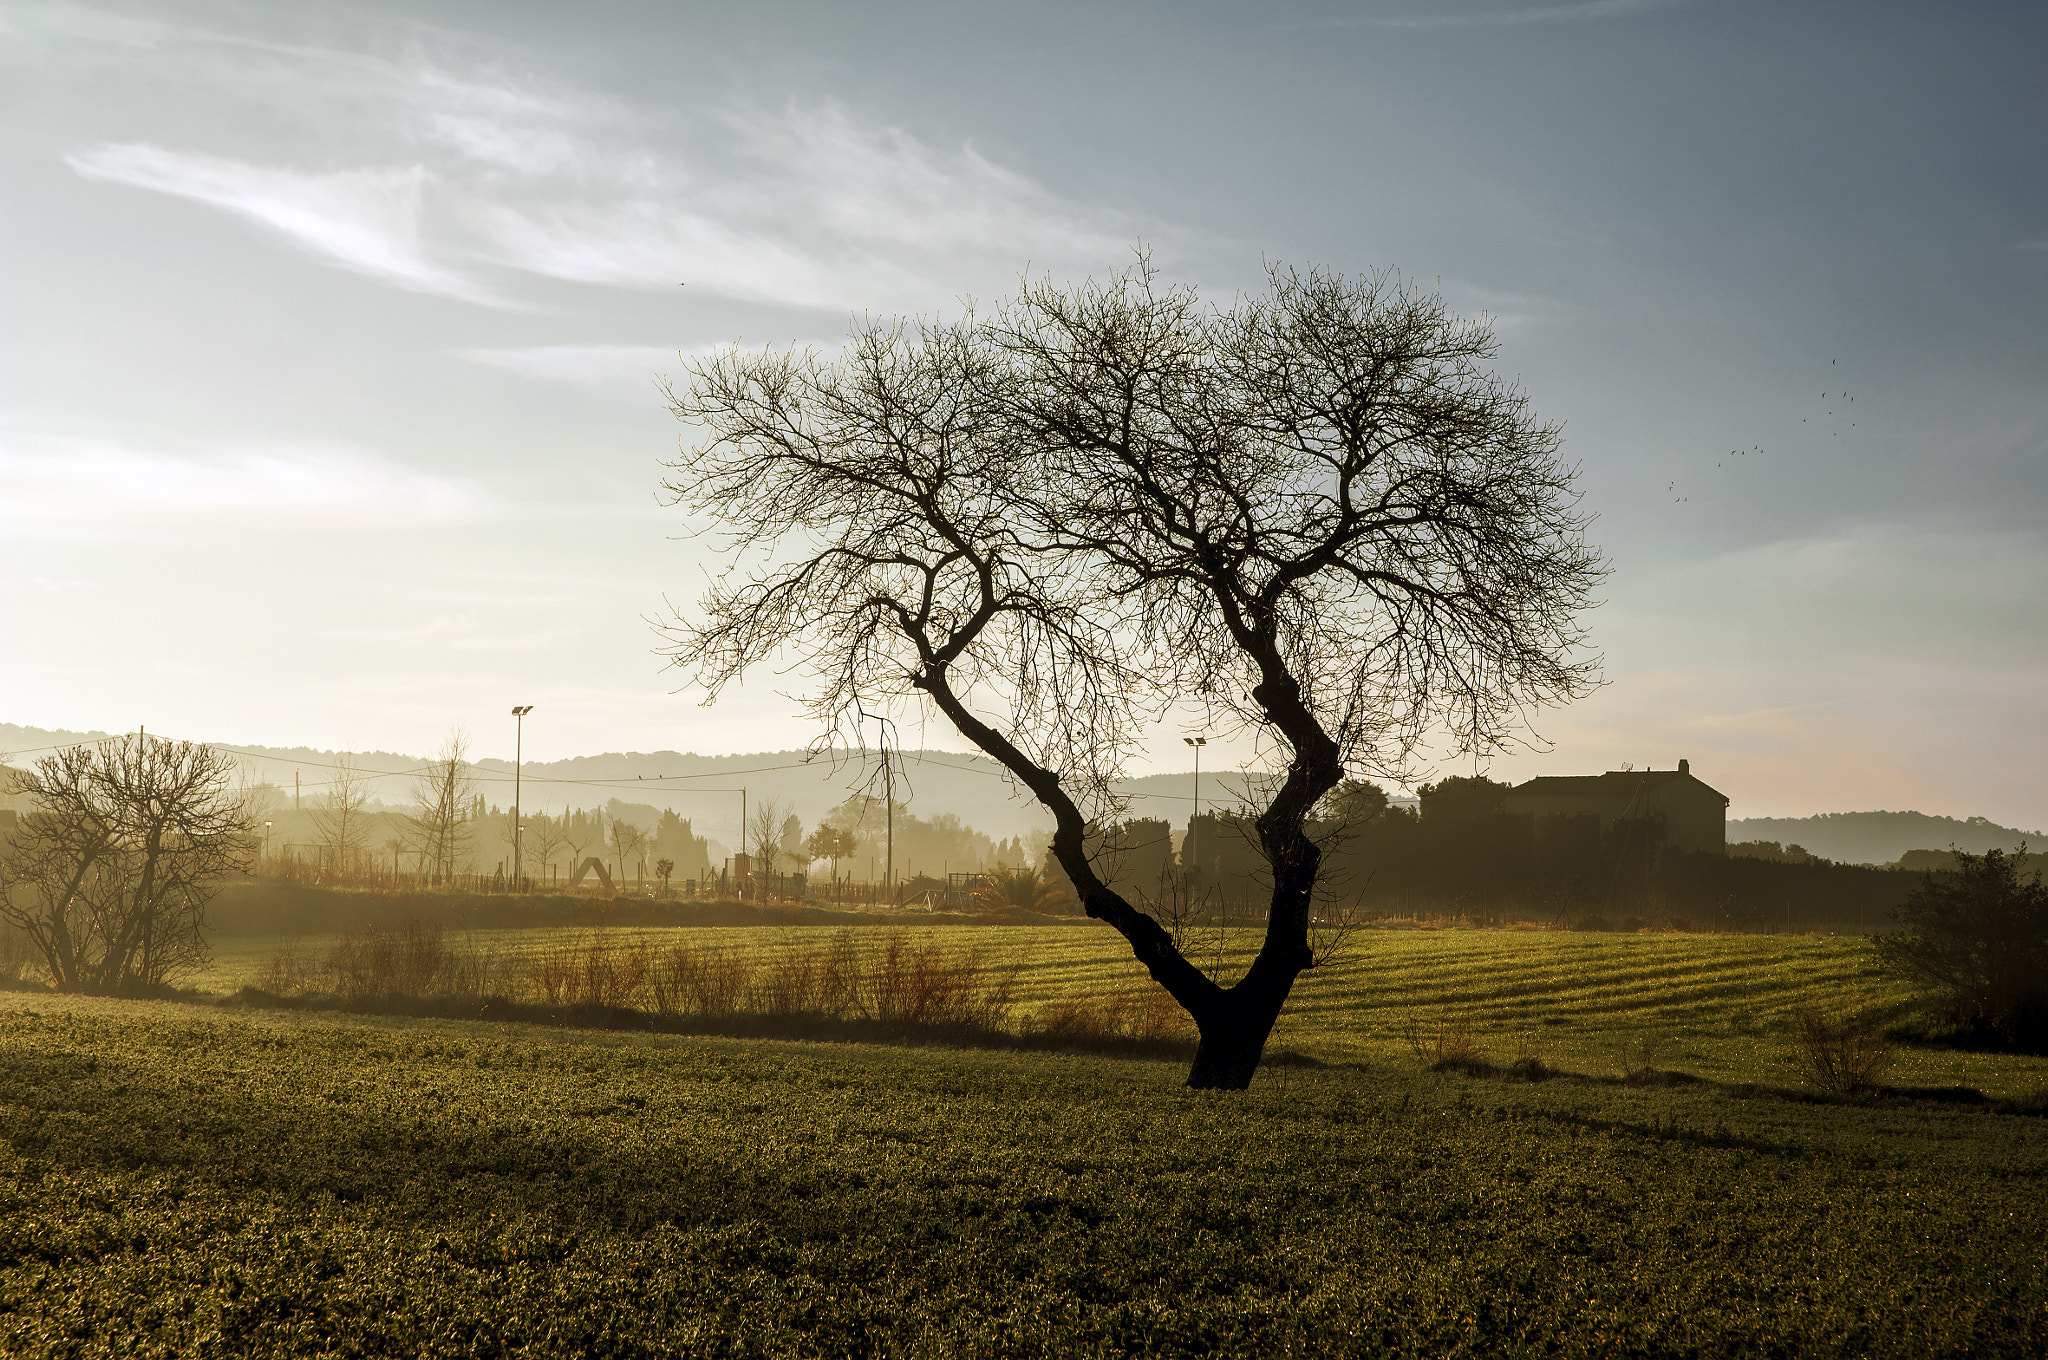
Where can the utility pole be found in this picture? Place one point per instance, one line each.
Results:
(518, 738)
(889, 787)
(1189, 852)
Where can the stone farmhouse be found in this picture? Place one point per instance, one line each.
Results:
(1695, 816)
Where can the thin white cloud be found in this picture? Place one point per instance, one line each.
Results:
(616, 371)
(606, 370)
(804, 208)
(90, 489)
(365, 220)
(456, 164)
(1504, 18)
(1512, 312)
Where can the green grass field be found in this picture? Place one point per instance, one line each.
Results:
(1717, 1006)
(187, 1180)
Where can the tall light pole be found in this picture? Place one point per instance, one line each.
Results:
(518, 753)
(1198, 743)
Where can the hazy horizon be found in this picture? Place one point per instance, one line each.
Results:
(327, 404)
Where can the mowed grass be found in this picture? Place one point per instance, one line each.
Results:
(192, 1180)
(1717, 1006)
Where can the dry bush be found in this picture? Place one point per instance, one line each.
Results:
(411, 959)
(590, 972)
(1639, 1054)
(291, 972)
(803, 979)
(17, 956)
(1144, 1014)
(1841, 1055)
(475, 973)
(1529, 1062)
(701, 980)
(1453, 1045)
(1457, 1046)
(892, 981)
(927, 985)
(895, 982)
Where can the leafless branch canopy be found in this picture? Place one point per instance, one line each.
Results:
(111, 871)
(1317, 511)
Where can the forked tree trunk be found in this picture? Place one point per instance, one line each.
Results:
(1228, 1055)
(1236, 1024)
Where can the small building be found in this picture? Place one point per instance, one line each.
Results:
(1694, 816)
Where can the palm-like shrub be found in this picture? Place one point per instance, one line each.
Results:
(1024, 889)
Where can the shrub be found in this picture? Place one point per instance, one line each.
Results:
(411, 959)
(1639, 1056)
(1978, 936)
(1142, 1014)
(18, 957)
(1842, 1056)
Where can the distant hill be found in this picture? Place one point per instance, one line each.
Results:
(1880, 837)
(705, 789)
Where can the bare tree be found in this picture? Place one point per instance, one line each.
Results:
(546, 837)
(627, 840)
(579, 832)
(763, 833)
(342, 819)
(443, 804)
(111, 871)
(1317, 515)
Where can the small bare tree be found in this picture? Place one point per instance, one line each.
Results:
(764, 833)
(580, 831)
(110, 873)
(1317, 515)
(626, 840)
(341, 819)
(444, 796)
(545, 838)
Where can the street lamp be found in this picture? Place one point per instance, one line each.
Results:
(518, 738)
(266, 841)
(1198, 743)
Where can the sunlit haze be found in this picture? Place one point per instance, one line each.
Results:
(328, 404)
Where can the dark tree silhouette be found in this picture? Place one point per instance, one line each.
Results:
(1978, 935)
(111, 871)
(1315, 513)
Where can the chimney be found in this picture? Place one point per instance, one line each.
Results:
(1685, 767)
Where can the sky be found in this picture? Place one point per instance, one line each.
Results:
(329, 335)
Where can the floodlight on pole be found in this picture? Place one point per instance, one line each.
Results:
(1198, 743)
(518, 752)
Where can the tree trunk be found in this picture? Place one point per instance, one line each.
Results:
(1234, 1028)
(1229, 1052)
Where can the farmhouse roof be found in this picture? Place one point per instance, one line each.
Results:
(1613, 784)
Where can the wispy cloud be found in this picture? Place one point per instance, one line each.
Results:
(1504, 18)
(614, 371)
(605, 370)
(458, 168)
(366, 220)
(93, 488)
